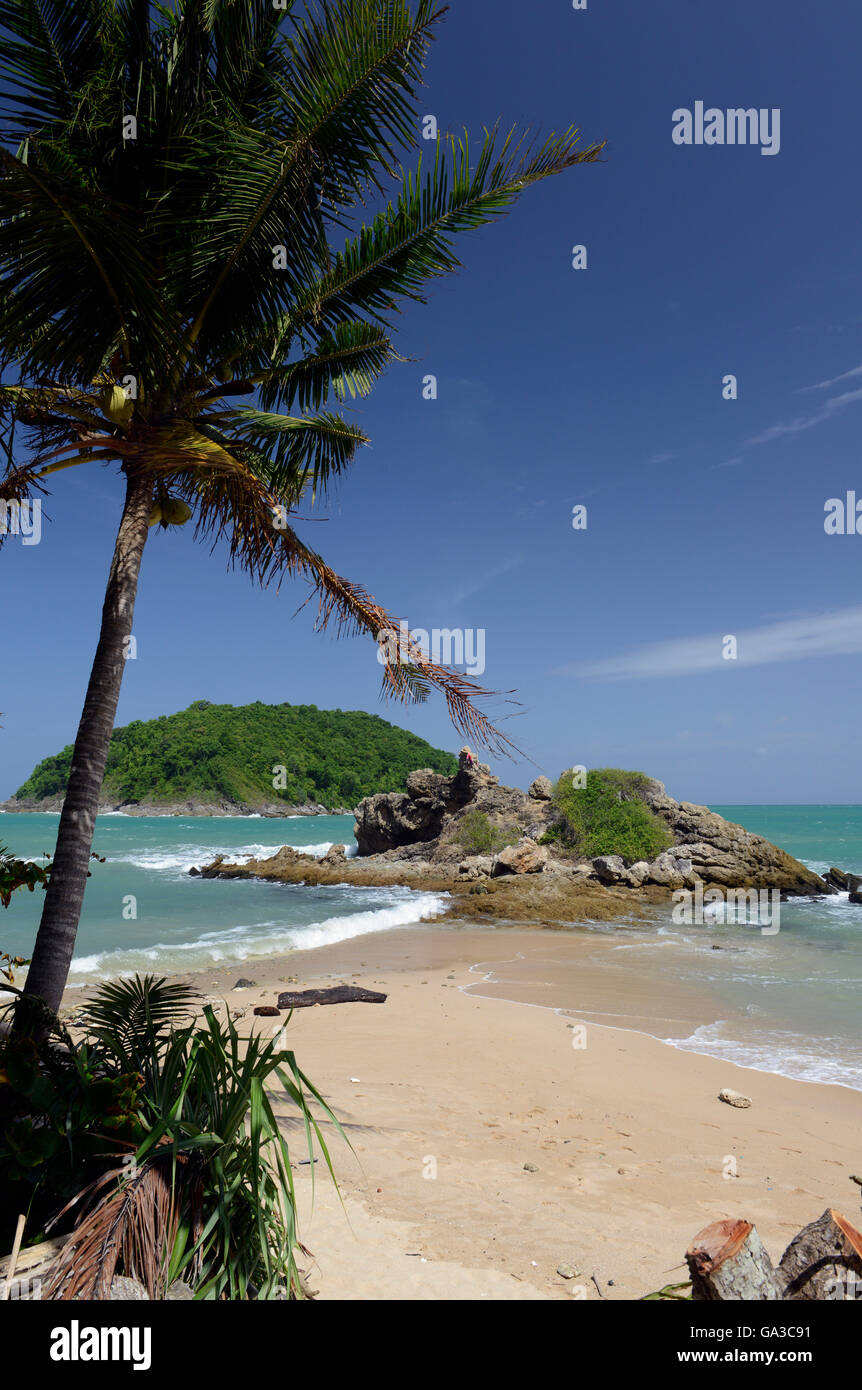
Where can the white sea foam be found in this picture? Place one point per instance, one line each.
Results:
(181, 858)
(244, 942)
(783, 1054)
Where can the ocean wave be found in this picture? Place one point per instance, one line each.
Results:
(181, 858)
(781, 1054)
(240, 943)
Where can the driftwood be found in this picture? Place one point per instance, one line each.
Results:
(339, 994)
(824, 1260)
(31, 1268)
(727, 1261)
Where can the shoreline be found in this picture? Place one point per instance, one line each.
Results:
(627, 1139)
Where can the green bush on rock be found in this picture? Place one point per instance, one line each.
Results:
(607, 816)
(476, 834)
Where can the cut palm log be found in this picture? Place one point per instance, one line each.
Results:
(824, 1261)
(339, 994)
(727, 1262)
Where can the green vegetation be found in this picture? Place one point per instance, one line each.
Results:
(478, 835)
(218, 753)
(19, 873)
(160, 1134)
(607, 816)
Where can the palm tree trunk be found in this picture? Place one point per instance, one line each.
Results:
(64, 896)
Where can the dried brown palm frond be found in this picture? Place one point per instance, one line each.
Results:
(134, 1225)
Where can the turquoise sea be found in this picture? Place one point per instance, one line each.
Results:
(183, 923)
(788, 1002)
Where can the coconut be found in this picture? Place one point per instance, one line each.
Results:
(175, 512)
(116, 405)
(155, 514)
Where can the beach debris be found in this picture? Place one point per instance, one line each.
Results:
(355, 1080)
(853, 1178)
(735, 1098)
(727, 1261)
(530, 1168)
(243, 983)
(340, 994)
(567, 1271)
(823, 1260)
(267, 1011)
(597, 1284)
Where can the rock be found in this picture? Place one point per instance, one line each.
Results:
(734, 1098)
(666, 871)
(243, 983)
(638, 873)
(531, 1168)
(266, 1011)
(837, 878)
(426, 783)
(724, 854)
(541, 789)
(126, 1290)
(476, 866)
(427, 813)
(609, 868)
(336, 854)
(526, 857)
(194, 873)
(856, 898)
(567, 1271)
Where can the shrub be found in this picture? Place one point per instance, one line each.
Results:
(203, 1190)
(476, 834)
(608, 816)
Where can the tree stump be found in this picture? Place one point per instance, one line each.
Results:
(728, 1262)
(824, 1261)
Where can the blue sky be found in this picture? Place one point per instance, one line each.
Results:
(558, 387)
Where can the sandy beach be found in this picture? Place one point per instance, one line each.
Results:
(498, 1049)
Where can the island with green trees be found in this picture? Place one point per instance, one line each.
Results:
(267, 759)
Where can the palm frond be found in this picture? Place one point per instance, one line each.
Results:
(132, 1016)
(411, 242)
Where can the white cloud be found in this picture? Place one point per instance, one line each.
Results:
(825, 385)
(805, 422)
(481, 580)
(794, 639)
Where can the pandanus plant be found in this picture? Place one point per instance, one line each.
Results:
(172, 178)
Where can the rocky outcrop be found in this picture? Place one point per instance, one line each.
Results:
(427, 812)
(722, 854)
(417, 838)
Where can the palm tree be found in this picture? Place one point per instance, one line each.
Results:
(170, 298)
